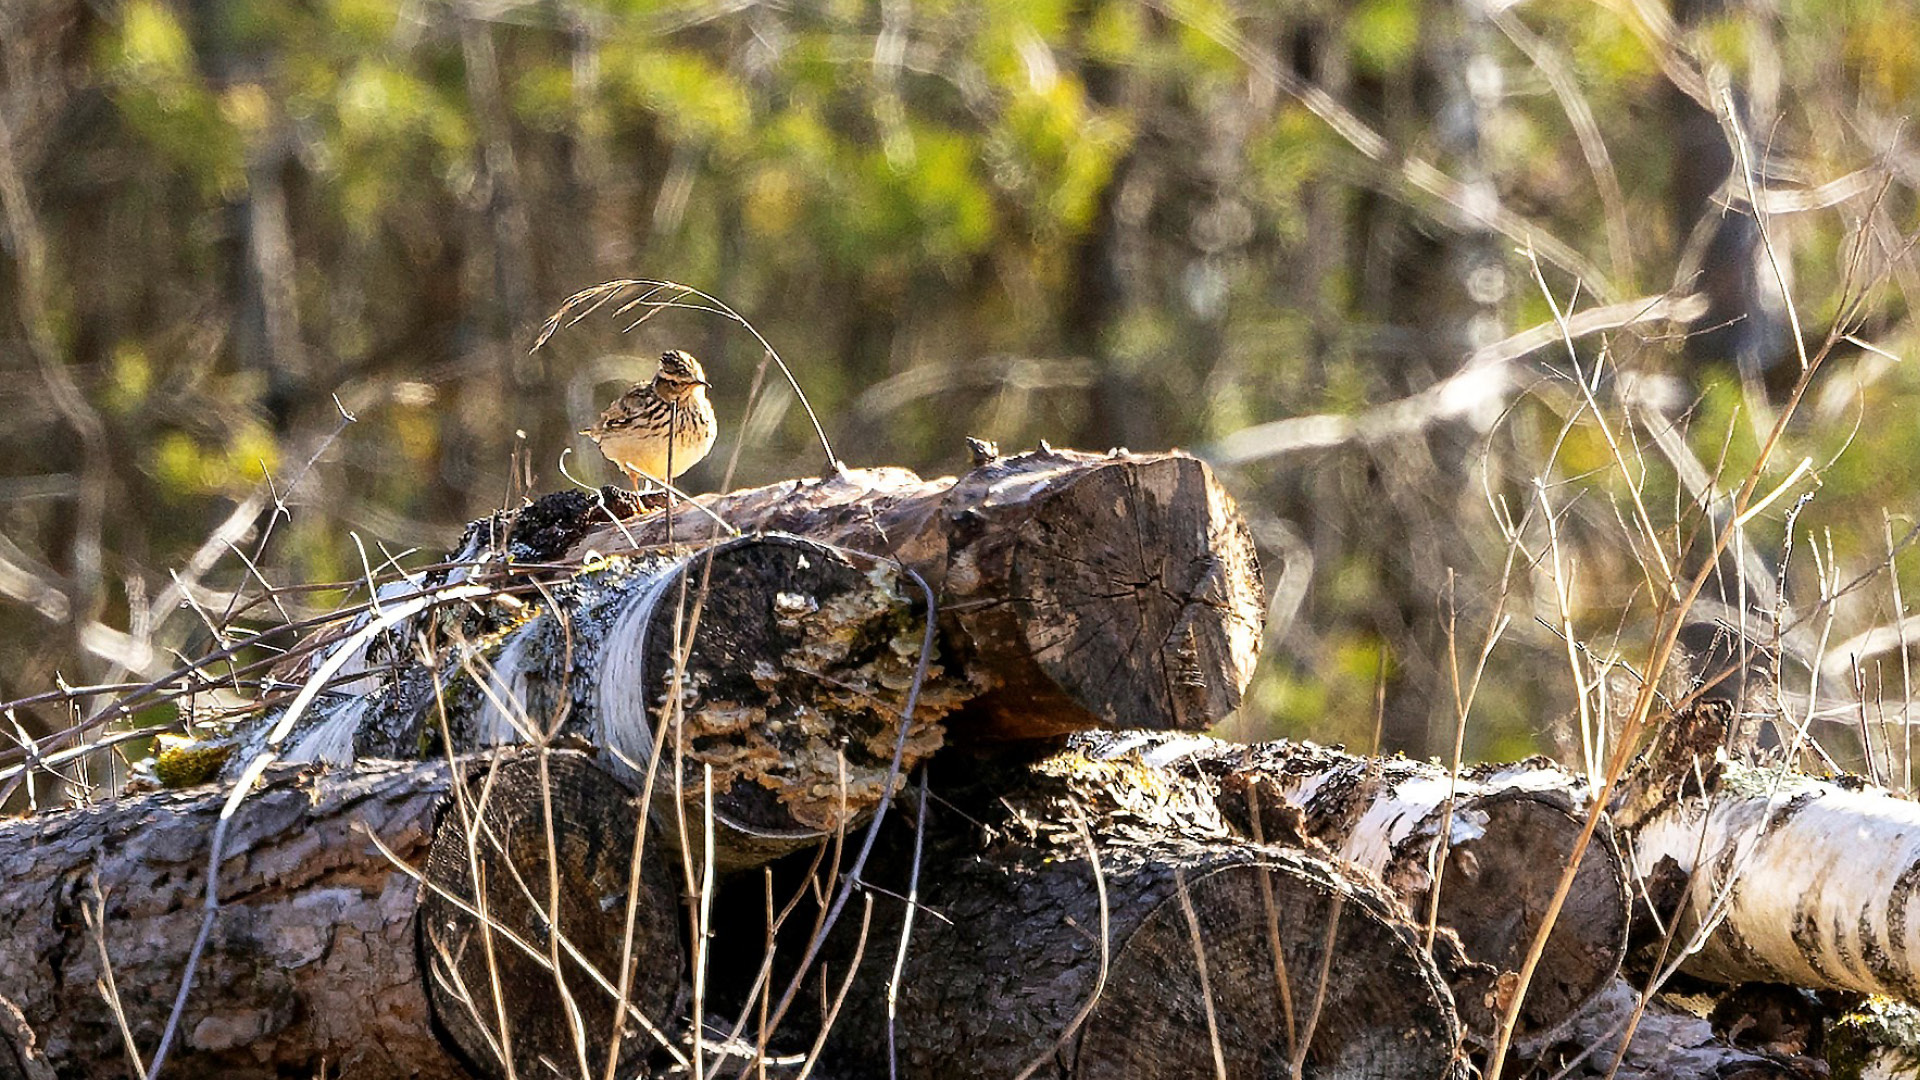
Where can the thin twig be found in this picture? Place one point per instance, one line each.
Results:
(906, 930)
(1200, 969)
(1106, 948)
(96, 916)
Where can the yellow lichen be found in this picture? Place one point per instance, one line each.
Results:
(183, 762)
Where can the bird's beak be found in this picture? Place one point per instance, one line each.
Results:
(703, 382)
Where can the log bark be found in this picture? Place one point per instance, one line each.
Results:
(1794, 879)
(1088, 591)
(312, 963)
(1073, 591)
(311, 957)
(21, 1057)
(775, 667)
(1144, 946)
(1509, 832)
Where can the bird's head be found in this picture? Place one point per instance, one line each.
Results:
(679, 375)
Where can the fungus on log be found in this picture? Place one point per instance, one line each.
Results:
(1798, 880)
(1510, 830)
(312, 957)
(1083, 590)
(780, 667)
(1143, 945)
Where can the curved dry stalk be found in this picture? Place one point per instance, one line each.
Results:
(840, 998)
(591, 299)
(1200, 968)
(1106, 947)
(906, 927)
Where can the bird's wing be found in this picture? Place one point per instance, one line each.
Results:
(623, 412)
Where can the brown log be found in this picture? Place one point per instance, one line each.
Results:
(1022, 914)
(312, 964)
(792, 663)
(1080, 590)
(1509, 831)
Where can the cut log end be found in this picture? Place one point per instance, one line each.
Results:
(1496, 889)
(492, 981)
(1511, 834)
(1198, 982)
(1134, 588)
(1140, 943)
(1080, 590)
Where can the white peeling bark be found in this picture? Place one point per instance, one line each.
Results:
(1793, 880)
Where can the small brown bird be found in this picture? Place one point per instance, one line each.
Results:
(661, 428)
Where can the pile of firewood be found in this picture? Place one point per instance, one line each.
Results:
(871, 776)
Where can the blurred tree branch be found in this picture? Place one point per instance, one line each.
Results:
(1480, 389)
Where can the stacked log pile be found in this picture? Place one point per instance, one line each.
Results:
(878, 776)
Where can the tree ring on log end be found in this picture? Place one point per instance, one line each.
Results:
(792, 665)
(1496, 889)
(1373, 1006)
(1136, 590)
(1043, 958)
(491, 982)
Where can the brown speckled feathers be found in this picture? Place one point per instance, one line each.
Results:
(633, 431)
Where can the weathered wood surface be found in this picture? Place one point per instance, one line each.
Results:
(1088, 919)
(1508, 831)
(313, 962)
(1086, 590)
(1671, 1042)
(774, 667)
(311, 956)
(537, 889)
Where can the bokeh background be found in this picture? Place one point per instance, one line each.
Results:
(227, 224)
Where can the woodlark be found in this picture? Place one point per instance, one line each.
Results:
(661, 428)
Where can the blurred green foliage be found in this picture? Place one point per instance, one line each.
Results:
(1096, 222)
